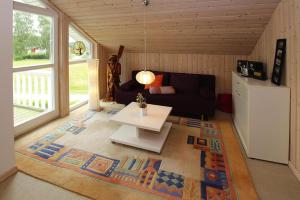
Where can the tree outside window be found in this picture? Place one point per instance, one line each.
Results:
(32, 38)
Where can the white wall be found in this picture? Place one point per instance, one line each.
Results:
(7, 160)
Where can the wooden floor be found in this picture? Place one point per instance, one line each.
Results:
(24, 114)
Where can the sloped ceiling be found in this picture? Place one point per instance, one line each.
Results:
(190, 26)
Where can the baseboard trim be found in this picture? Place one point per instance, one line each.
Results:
(294, 170)
(8, 173)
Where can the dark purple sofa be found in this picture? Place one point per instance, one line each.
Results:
(195, 94)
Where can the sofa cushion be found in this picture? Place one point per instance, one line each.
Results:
(166, 78)
(185, 83)
(167, 90)
(154, 90)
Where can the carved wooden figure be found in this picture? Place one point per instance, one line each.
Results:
(113, 74)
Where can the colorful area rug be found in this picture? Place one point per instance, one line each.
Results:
(66, 154)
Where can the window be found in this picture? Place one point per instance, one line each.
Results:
(80, 49)
(75, 36)
(34, 64)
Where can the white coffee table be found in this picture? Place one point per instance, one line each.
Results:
(146, 132)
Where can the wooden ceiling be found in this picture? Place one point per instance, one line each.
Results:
(186, 26)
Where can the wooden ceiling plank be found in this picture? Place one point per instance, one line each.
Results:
(214, 26)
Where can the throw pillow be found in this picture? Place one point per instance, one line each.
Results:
(167, 90)
(156, 83)
(162, 90)
(154, 90)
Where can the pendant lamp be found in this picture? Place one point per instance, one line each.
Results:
(145, 76)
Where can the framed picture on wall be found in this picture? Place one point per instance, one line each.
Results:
(279, 61)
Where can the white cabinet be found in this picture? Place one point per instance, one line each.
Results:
(261, 117)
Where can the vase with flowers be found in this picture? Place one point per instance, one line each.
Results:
(141, 101)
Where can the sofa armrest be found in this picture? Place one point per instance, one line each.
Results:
(129, 85)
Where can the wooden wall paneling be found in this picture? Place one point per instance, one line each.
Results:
(128, 66)
(156, 60)
(297, 63)
(228, 68)
(172, 62)
(135, 60)
(229, 63)
(129, 63)
(190, 62)
(133, 64)
(285, 23)
(169, 63)
(137, 64)
(195, 60)
(123, 62)
(153, 61)
(174, 59)
(179, 64)
(199, 64)
(161, 62)
(227, 82)
(291, 78)
(219, 70)
(294, 87)
(132, 60)
(203, 59)
(219, 65)
(184, 65)
(141, 61)
(164, 62)
(149, 62)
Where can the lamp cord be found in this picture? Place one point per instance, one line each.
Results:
(145, 37)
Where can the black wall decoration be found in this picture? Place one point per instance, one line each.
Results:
(279, 61)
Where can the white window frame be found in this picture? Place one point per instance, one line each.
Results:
(45, 116)
(79, 61)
